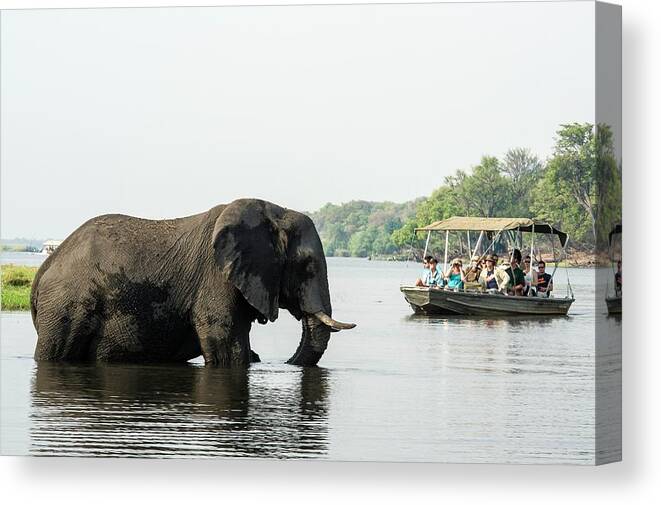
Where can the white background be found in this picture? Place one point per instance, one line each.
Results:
(158, 115)
(635, 480)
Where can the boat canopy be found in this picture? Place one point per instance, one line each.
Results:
(495, 224)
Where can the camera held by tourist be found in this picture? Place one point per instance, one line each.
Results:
(473, 270)
(531, 277)
(544, 280)
(454, 277)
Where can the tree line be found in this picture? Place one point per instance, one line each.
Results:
(578, 189)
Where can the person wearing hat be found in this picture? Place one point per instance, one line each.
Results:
(454, 277)
(472, 272)
(494, 279)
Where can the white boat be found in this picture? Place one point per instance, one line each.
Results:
(50, 246)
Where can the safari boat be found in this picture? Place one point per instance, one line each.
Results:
(441, 301)
(473, 300)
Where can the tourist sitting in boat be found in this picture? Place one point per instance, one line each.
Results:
(618, 279)
(420, 281)
(530, 277)
(517, 277)
(493, 279)
(544, 280)
(434, 278)
(472, 272)
(454, 277)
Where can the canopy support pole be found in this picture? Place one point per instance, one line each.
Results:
(445, 258)
(468, 237)
(514, 237)
(426, 245)
(477, 245)
(553, 248)
(493, 242)
(557, 260)
(570, 291)
(564, 250)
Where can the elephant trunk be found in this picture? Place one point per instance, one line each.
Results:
(313, 342)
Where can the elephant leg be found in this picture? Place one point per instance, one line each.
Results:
(65, 332)
(226, 345)
(54, 331)
(119, 340)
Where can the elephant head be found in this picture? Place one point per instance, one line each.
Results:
(274, 257)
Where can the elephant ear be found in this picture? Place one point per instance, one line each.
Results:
(250, 248)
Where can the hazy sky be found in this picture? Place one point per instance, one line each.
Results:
(167, 112)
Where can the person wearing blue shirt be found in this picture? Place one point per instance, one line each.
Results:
(454, 277)
(425, 270)
(434, 278)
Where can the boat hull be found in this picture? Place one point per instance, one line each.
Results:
(440, 301)
(614, 305)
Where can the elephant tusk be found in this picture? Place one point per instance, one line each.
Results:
(334, 325)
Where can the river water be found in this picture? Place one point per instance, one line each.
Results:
(398, 387)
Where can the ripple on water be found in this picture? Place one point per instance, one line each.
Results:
(397, 388)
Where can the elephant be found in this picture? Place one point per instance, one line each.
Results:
(126, 289)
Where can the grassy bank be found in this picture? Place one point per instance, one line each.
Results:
(16, 284)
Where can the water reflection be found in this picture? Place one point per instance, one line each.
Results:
(502, 322)
(178, 411)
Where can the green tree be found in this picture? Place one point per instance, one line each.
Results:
(560, 208)
(403, 236)
(485, 193)
(440, 205)
(360, 228)
(581, 186)
(522, 168)
(609, 186)
(578, 189)
(360, 243)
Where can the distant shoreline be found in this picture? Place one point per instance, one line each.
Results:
(577, 259)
